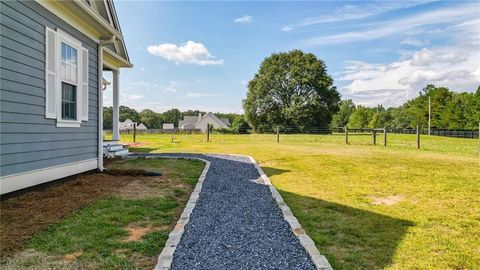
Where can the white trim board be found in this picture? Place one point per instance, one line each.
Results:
(18, 181)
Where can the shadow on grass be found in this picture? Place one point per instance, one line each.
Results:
(142, 149)
(350, 238)
(273, 171)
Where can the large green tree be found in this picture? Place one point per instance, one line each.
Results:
(129, 113)
(172, 116)
(291, 89)
(346, 108)
(151, 119)
(361, 117)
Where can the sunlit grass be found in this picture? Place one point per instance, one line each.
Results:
(331, 188)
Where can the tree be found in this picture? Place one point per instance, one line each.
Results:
(361, 117)
(380, 118)
(172, 116)
(107, 118)
(151, 119)
(128, 113)
(291, 89)
(240, 125)
(346, 108)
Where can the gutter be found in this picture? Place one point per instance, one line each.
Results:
(100, 45)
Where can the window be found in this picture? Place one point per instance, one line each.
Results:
(66, 79)
(68, 68)
(69, 101)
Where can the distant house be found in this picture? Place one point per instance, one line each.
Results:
(141, 127)
(168, 126)
(126, 125)
(53, 55)
(201, 122)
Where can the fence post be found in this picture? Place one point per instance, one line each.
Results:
(418, 137)
(208, 132)
(384, 136)
(278, 134)
(134, 132)
(374, 135)
(346, 135)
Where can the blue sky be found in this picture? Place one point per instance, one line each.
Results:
(200, 55)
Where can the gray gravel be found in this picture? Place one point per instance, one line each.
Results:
(236, 223)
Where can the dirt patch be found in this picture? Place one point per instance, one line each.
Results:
(144, 187)
(137, 144)
(390, 200)
(29, 211)
(72, 256)
(136, 233)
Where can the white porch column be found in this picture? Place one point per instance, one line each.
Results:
(116, 105)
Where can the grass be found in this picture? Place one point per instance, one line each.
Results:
(124, 229)
(365, 206)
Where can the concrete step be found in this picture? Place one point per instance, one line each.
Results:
(113, 146)
(107, 142)
(120, 152)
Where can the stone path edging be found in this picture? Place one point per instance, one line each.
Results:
(165, 258)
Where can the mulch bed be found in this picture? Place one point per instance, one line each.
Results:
(26, 212)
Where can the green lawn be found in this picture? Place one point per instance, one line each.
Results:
(125, 229)
(365, 206)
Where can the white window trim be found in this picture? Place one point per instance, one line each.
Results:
(63, 37)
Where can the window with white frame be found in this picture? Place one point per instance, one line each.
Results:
(66, 79)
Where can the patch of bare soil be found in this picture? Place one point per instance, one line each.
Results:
(390, 200)
(24, 213)
(144, 187)
(72, 256)
(136, 233)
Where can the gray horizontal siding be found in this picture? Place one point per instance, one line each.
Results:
(17, 158)
(45, 146)
(29, 141)
(19, 138)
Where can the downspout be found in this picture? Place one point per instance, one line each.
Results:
(100, 45)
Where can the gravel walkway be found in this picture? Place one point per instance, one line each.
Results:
(236, 224)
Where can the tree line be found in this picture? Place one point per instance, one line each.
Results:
(449, 110)
(155, 120)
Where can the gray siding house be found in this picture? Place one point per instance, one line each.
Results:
(52, 57)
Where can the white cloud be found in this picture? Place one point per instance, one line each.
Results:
(414, 24)
(392, 84)
(190, 52)
(200, 95)
(134, 97)
(244, 19)
(172, 86)
(352, 12)
(414, 42)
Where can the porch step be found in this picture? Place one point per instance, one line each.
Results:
(113, 149)
(120, 152)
